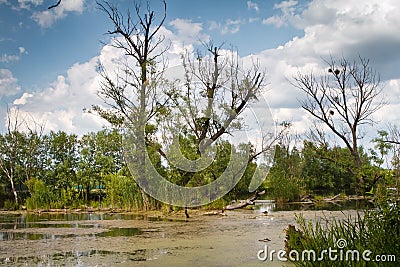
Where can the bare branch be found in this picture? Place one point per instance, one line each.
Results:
(343, 99)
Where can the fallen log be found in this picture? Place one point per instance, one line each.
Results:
(221, 213)
(331, 199)
(244, 203)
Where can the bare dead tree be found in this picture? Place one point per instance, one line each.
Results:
(393, 137)
(214, 93)
(131, 90)
(344, 99)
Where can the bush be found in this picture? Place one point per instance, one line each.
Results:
(41, 195)
(283, 189)
(10, 205)
(122, 192)
(377, 230)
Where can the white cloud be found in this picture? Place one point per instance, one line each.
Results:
(8, 83)
(252, 5)
(341, 28)
(287, 9)
(60, 106)
(5, 58)
(47, 18)
(23, 99)
(187, 31)
(338, 28)
(229, 26)
(21, 50)
(28, 3)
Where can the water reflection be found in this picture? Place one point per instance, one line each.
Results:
(267, 206)
(31, 226)
(78, 258)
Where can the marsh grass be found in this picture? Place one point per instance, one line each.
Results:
(376, 230)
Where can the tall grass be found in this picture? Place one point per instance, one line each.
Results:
(122, 192)
(375, 230)
(42, 197)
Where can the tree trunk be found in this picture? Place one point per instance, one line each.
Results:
(246, 202)
(13, 190)
(146, 200)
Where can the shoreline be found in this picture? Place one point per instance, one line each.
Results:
(307, 201)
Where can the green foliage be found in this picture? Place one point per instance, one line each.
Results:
(73, 168)
(10, 205)
(327, 170)
(377, 230)
(122, 192)
(217, 204)
(41, 195)
(282, 179)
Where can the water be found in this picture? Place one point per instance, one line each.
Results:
(270, 206)
(101, 239)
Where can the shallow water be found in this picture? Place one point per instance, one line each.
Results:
(267, 205)
(139, 240)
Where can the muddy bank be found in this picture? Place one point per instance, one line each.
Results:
(151, 239)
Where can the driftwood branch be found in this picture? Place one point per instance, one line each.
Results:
(334, 198)
(244, 203)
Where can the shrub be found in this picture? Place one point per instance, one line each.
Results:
(10, 205)
(376, 230)
(41, 195)
(122, 192)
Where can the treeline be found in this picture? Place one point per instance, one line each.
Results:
(317, 169)
(60, 170)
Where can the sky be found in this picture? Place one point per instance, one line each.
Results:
(48, 57)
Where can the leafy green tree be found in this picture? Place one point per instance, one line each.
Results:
(327, 170)
(283, 178)
(61, 160)
(99, 154)
(20, 151)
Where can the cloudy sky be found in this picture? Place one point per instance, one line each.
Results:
(48, 57)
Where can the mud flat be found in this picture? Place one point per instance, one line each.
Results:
(233, 239)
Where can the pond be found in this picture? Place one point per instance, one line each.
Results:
(104, 239)
(269, 205)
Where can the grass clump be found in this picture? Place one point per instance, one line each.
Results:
(370, 239)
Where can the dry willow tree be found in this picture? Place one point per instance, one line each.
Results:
(130, 91)
(343, 99)
(202, 107)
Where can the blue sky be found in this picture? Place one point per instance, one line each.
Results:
(50, 49)
(48, 57)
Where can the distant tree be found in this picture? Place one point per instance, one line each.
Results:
(283, 178)
(326, 170)
(344, 99)
(20, 150)
(390, 140)
(61, 159)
